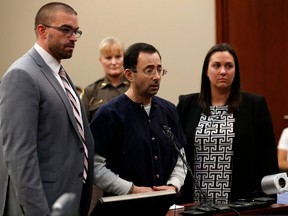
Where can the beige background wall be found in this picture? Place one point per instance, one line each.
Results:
(182, 30)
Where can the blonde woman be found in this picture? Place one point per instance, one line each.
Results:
(113, 83)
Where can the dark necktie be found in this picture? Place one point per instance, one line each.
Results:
(77, 115)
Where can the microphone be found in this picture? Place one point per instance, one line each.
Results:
(65, 205)
(175, 144)
(275, 184)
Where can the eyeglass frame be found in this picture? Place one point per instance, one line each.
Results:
(64, 30)
(162, 72)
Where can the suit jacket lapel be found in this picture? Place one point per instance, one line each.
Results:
(48, 73)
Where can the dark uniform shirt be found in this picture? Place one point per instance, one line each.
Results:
(99, 92)
(133, 143)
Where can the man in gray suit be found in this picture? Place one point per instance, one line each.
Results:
(41, 149)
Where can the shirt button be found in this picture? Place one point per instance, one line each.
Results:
(155, 157)
(153, 139)
(157, 176)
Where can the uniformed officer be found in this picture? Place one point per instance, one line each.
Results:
(113, 83)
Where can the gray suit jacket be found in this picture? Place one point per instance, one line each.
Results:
(41, 154)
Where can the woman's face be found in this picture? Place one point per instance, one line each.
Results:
(112, 60)
(221, 71)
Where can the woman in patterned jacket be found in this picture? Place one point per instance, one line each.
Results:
(231, 143)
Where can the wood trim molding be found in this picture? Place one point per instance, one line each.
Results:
(222, 27)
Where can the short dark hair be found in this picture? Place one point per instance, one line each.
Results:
(45, 13)
(234, 99)
(132, 53)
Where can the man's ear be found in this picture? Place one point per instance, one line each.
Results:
(42, 31)
(128, 74)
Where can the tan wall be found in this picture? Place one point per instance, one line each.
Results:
(182, 30)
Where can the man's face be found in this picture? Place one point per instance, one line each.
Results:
(147, 79)
(60, 44)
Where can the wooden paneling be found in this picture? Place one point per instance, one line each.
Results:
(258, 30)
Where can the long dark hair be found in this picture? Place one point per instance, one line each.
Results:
(234, 99)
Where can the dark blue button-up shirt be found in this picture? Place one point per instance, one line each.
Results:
(133, 143)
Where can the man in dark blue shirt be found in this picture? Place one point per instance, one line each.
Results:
(133, 154)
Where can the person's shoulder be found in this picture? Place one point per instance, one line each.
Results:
(25, 64)
(285, 131)
(92, 85)
(115, 103)
(22, 62)
(163, 102)
(253, 100)
(251, 96)
(188, 97)
(119, 100)
(97, 82)
(100, 80)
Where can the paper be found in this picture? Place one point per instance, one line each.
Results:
(174, 206)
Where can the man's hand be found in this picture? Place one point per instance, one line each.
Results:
(164, 187)
(137, 189)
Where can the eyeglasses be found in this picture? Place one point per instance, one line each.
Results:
(67, 31)
(151, 72)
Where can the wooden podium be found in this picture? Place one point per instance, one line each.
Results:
(274, 209)
(154, 203)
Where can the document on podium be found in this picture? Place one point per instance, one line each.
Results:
(154, 203)
(138, 196)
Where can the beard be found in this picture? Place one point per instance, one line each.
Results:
(58, 50)
(59, 53)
